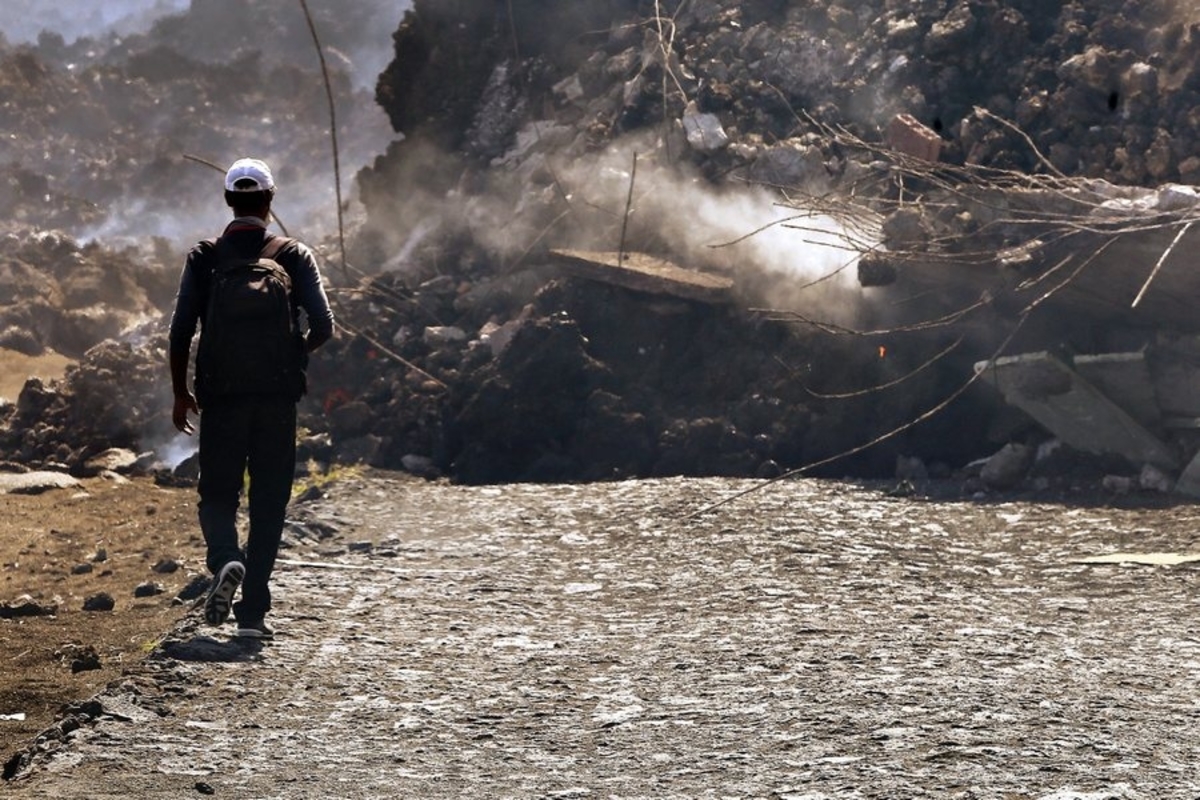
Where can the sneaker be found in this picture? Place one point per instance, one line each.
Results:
(258, 629)
(220, 598)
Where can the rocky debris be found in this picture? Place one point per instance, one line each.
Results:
(927, 82)
(35, 482)
(466, 352)
(195, 588)
(111, 406)
(81, 658)
(115, 459)
(148, 589)
(644, 273)
(205, 648)
(26, 606)
(66, 297)
(907, 135)
(101, 601)
(1008, 467)
(77, 166)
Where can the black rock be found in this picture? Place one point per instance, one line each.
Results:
(165, 566)
(102, 601)
(87, 659)
(195, 587)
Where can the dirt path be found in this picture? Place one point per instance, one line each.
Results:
(813, 641)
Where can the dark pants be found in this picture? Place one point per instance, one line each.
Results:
(255, 435)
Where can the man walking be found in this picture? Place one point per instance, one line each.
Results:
(246, 290)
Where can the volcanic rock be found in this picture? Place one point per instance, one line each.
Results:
(101, 601)
(26, 606)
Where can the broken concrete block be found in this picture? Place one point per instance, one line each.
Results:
(1073, 409)
(906, 134)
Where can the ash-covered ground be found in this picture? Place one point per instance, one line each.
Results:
(586, 634)
(818, 641)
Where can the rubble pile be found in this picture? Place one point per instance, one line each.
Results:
(58, 295)
(815, 98)
(115, 398)
(468, 349)
(102, 127)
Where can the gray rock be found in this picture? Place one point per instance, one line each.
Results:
(197, 586)
(1007, 467)
(351, 420)
(115, 459)
(420, 465)
(443, 334)
(705, 133)
(35, 482)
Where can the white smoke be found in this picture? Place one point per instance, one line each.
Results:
(25, 20)
(307, 200)
(781, 254)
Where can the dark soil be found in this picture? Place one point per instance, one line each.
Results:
(46, 541)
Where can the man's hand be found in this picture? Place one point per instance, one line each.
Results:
(179, 414)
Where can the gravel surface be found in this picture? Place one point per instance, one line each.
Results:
(811, 640)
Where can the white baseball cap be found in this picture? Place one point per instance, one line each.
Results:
(249, 169)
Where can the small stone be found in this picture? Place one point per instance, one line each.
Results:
(102, 601)
(100, 556)
(311, 493)
(195, 587)
(204, 788)
(88, 659)
(82, 569)
(147, 589)
(165, 566)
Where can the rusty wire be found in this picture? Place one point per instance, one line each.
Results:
(337, 169)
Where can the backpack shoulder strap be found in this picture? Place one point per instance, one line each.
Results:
(274, 246)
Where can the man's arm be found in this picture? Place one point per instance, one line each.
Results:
(183, 328)
(310, 294)
(185, 401)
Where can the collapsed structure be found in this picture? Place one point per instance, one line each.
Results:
(1003, 179)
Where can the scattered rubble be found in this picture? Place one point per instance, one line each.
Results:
(478, 344)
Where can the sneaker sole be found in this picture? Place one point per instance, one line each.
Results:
(220, 599)
(253, 633)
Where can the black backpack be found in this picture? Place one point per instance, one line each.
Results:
(249, 342)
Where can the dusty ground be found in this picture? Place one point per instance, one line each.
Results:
(817, 640)
(44, 539)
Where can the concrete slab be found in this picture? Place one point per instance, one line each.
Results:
(1073, 409)
(645, 273)
(1123, 378)
(1189, 479)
